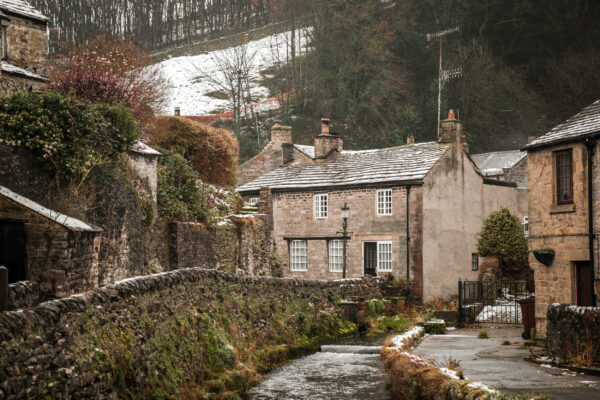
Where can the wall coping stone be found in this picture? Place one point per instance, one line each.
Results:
(15, 323)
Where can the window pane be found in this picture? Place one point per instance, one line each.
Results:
(474, 262)
(336, 256)
(384, 256)
(384, 202)
(564, 177)
(298, 255)
(320, 206)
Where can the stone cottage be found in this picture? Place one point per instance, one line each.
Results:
(415, 210)
(23, 46)
(57, 252)
(564, 212)
(508, 166)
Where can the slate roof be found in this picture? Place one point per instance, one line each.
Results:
(70, 223)
(308, 150)
(143, 148)
(579, 126)
(22, 8)
(12, 69)
(354, 168)
(493, 163)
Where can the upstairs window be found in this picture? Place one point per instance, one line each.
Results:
(564, 176)
(320, 206)
(384, 202)
(474, 261)
(298, 255)
(336, 255)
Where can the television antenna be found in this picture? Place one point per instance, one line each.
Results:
(444, 75)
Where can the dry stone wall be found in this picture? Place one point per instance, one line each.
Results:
(66, 348)
(571, 330)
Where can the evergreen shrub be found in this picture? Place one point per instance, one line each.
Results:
(502, 236)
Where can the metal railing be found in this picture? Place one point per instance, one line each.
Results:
(491, 301)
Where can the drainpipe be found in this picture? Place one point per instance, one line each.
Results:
(407, 234)
(590, 144)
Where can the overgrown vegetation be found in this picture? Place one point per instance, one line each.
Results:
(502, 236)
(67, 136)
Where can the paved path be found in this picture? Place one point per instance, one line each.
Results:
(504, 367)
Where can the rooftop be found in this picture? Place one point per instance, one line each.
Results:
(308, 150)
(402, 164)
(12, 69)
(70, 223)
(143, 148)
(578, 127)
(22, 8)
(493, 163)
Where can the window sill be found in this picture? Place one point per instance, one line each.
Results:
(562, 208)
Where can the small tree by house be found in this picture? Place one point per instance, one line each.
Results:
(502, 236)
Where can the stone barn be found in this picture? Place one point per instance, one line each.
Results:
(57, 252)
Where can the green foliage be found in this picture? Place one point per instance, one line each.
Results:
(219, 355)
(435, 327)
(375, 307)
(483, 335)
(502, 236)
(505, 343)
(67, 136)
(179, 197)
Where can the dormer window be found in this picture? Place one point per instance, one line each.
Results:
(320, 206)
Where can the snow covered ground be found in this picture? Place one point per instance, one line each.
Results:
(501, 312)
(189, 90)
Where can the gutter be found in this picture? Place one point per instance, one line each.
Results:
(407, 233)
(581, 138)
(378, 185)
(590, 144)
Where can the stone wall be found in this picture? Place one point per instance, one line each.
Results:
(27, 44)
(559, 227)
(517, 174)
(571, 330)
(23, 294)
(61, 261)
(10, 84)
(159, 332)
(243, 245)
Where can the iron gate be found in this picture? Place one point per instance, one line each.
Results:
(494, 302)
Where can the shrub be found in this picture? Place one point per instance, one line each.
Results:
(502, 236)
(179, 196)
(67, 136)
(212, 152)
(483, 335)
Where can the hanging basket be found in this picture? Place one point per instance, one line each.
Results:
(545, 256)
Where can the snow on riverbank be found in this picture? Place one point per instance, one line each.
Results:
(189, 91)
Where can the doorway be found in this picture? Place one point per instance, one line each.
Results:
(12, 250)
(370, 258)
(583, 272)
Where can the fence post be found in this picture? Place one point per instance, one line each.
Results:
(3, 288)
(460, 315)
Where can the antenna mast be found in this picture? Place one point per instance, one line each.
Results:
(443, 75)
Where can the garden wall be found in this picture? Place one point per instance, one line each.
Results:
(571, 330)
(189, 333)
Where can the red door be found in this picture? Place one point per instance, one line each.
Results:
(583, 274)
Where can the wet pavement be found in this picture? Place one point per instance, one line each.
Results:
(350, 369)
(504, 367)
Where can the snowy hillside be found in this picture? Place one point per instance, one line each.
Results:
(189, 90)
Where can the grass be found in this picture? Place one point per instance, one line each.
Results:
(483, 335)
(505, 342)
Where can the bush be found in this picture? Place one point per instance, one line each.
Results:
(502, 236)
(179, 196)
(67, 136)
(212, 152)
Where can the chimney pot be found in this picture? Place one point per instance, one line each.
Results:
(451, 114)
(325, 126)
(177, 111)
(410, 139)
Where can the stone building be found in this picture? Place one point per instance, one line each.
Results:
(415, 210)
(57, 252)
(24, 47)
(561, 216)
(510, 166)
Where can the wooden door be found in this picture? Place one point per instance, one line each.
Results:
(583, 274)
(12, 250)
(370, 258)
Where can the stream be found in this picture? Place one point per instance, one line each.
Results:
(347, 369)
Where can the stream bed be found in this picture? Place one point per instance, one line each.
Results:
(347, 369)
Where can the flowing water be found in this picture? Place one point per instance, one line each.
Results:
(348, 369)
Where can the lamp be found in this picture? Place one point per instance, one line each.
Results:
(345, 213)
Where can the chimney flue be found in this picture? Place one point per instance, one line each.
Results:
(410, 139)
(324, 126)
(451, 114)
(177, 111)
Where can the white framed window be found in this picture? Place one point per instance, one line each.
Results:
(320, 206)
(336, 255)
(298, 255)
(384, 256)
(254, 200)
(384, 202)
(526, 225)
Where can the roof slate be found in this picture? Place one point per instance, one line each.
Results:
(579, 126)
(493, 163)
(308, 150)
(70, 223)
(23, 8)
(349, 168)
(12, 69)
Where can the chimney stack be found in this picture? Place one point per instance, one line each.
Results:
(287, 150)
(410, 139)
(327, 142)
(451, 129)
(280, 134)
(177, 111)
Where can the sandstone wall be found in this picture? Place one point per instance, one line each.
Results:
(571, 330)
(143, 333)
(518, 174)
(559, 227)
(27, 44)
